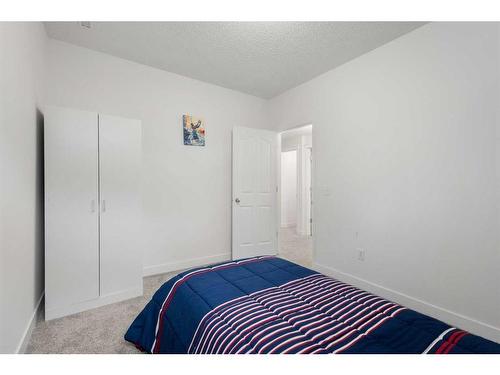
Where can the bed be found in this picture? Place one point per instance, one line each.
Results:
(270, 305)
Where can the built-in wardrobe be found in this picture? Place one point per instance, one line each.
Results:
(93, 210)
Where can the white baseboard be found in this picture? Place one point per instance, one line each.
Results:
(23, 344)
(466, 323)
(58, 312)
(181, 265)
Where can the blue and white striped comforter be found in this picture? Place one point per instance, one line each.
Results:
(270, 305)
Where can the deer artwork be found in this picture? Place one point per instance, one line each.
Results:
(194, 131)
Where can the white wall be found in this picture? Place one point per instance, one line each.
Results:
(406, 166)
(22, 58)
(288, 188)
(186, 189)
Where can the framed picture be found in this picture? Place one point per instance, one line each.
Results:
(194, 130)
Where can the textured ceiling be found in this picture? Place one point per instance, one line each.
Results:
(259, 58)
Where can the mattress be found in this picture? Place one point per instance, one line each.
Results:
(268, 305)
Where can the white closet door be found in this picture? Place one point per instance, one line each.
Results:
(71, 214)
(120, 204)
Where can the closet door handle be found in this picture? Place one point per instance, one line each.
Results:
(103, 205)
(92, 205)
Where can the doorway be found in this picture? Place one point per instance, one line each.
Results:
(296, 221)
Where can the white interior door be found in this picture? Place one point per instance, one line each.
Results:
(71, 213)
(254, 197)
(120, 204)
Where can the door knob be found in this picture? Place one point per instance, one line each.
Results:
(237, 200)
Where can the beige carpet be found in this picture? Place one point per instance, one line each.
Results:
(101, 330)
(298, 249)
